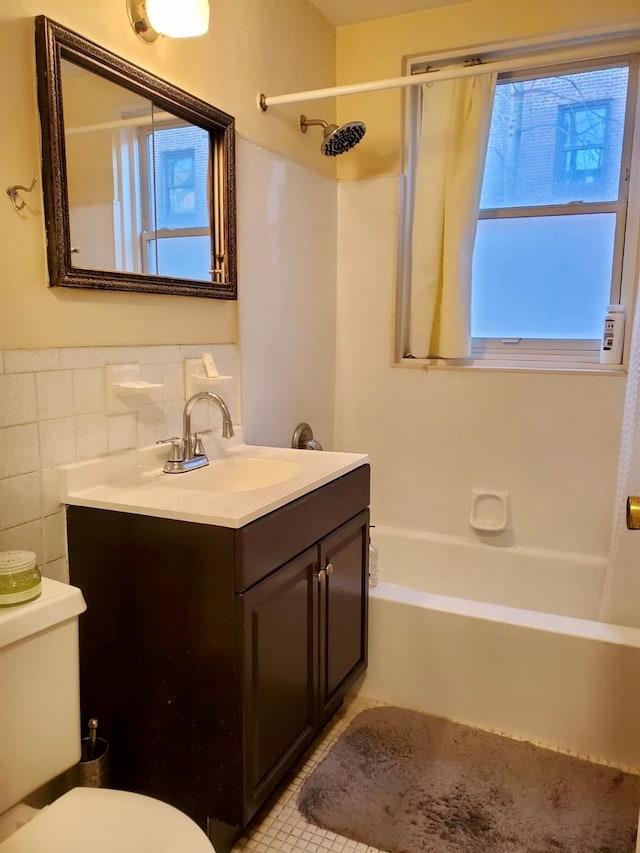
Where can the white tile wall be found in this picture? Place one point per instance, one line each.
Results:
(287, 313)
(18, 402)
(92, 436)
(88, 390)
(55, 393)
(20, 500)
(53, 410)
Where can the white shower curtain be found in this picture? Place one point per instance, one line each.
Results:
(456, 117)
(620, 600)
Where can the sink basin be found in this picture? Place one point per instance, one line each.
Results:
(243, 474)
(241, 483)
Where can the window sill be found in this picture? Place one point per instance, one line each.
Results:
(513, 366)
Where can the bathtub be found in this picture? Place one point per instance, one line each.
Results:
(505, 639)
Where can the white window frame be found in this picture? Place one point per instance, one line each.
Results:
(515, 353)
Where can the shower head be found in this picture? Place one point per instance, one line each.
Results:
(336, 140)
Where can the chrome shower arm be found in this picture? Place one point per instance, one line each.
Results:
(311, 122)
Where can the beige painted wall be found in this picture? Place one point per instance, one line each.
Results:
(90, 100)
(376, 50)
(253, 45)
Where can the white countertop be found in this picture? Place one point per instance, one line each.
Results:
(134, 481)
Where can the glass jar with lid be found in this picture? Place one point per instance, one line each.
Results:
(19, 577)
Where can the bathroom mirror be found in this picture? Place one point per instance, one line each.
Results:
(138, 175)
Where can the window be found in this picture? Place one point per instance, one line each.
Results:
(176, 235)
(582, 141)
(550, 241)
(180, 184)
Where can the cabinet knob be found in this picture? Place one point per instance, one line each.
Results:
(322, 576)
(329, 568)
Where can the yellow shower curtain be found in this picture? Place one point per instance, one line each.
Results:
(456, 116)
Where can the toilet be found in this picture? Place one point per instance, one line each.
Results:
(40, 738)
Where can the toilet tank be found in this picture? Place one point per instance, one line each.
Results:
(39, 690)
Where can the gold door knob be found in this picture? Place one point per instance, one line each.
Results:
(322, 576)
(633, 512)
(329, 568)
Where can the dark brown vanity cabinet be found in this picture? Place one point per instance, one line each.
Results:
(213, 656)
(342, 616)
(280, 645)
(304, 644)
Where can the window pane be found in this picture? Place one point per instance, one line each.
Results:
(181, 177)
(556, 139)
(581, 148)
(181, 168)
(542, 277)
(181, 201)
(180, 184)
(181, 257)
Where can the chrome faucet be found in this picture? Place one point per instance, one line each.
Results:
(188, 453)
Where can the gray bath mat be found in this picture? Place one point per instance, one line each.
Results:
(406, 782)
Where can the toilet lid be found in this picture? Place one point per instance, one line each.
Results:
(100, 820)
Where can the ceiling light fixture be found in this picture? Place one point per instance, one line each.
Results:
(172, 18)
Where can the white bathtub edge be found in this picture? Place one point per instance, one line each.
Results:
(566, 625)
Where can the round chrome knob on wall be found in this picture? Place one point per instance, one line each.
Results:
(303, 438)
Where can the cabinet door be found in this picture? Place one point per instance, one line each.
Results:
(279, 641)
(343, 583)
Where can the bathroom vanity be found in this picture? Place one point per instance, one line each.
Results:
(212, 655)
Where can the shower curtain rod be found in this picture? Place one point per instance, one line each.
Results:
(138, 121)
(550, 57)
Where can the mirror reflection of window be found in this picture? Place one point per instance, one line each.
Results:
(179, 168)
(138, 181)
(177, 242)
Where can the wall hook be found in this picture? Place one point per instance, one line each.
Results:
(16, 199)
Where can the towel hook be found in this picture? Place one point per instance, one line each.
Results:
(16, 199)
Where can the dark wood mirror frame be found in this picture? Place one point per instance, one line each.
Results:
(55, 43)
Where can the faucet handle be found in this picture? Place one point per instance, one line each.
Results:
(177, 451)
(198, 446)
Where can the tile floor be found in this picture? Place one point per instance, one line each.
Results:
(282, 827)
